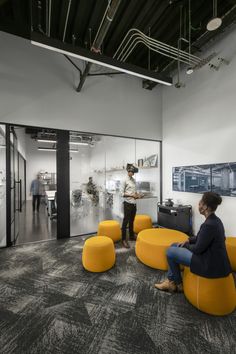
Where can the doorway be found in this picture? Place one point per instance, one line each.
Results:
(33, 185)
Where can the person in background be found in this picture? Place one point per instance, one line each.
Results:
(93, 191)
(128, 191)
(205, 253)
(36, 191)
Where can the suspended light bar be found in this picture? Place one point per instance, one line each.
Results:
(46, 141)
(53, 149)
(78, 143)
(54, 142)
(95, 58)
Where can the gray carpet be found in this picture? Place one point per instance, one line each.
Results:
(50, 304)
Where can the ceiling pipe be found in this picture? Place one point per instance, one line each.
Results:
(153, 44)
(105, 24)
(66, 23)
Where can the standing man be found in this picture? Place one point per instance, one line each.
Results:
(36, 191)
(130, 195)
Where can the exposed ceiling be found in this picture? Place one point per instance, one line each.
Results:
(76, 22)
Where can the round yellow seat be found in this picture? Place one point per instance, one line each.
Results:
(142, 222)
(213, 296)
(152, 244)
(231, 250)
(98, 254)
(110, 228)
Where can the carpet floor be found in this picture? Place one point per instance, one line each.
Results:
(50, 304)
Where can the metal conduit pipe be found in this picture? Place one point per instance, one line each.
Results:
(174, 54)
(163, 52)
(152, 40)
(202, 36)
(148, 38)
(107, 19)
(66, 22)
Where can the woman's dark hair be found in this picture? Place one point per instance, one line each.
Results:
(211, 200)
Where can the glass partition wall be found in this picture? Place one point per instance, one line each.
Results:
(2, 186)
(97, 170)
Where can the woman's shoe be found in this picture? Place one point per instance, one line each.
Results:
(167, 285)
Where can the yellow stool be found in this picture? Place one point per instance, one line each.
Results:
(152, 244)
(110, 228)
(213, 296)
(142, 222)
(231, 250)
(98, 254)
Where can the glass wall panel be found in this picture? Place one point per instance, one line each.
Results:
(119, 152)
(2, 186)
(87, 182)
(148, 179)
(97, 171)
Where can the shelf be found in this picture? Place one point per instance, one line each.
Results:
(123, 169)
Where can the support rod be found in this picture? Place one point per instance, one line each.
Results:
(101, 34)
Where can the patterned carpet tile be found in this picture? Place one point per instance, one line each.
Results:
(50, 304)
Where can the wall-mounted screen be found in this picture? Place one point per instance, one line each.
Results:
(219, 178)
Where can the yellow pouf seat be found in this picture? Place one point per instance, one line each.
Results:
(152, 244)
(231, 250)
(213, 296)
(110, 228)
(98, 254)
(142, 222)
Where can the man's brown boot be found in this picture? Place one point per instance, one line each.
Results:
(180, 288)
(125, 244)
(167, 285)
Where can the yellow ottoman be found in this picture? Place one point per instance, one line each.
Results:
(98, 254)
(152, 244)
(231, 250)
(213, 296)
(142, 222)
(110, 228)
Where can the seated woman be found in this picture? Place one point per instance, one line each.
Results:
(205, 253)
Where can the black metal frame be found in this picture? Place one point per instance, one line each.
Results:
(63, 184)
(8, 185)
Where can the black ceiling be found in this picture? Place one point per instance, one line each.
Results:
(160, 17)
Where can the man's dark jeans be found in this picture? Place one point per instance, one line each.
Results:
(129, 215)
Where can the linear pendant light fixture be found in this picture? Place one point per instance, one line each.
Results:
(53, 149)
(96, 58)
(54, 142)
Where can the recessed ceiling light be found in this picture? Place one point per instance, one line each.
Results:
(189, 71)
(214, 23)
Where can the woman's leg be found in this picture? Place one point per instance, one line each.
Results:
(176, 256)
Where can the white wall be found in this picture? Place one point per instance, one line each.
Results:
(37, 88)
(199, 127)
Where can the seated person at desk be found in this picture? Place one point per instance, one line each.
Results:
(205, 253)
(36, 190)
(92, 190)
